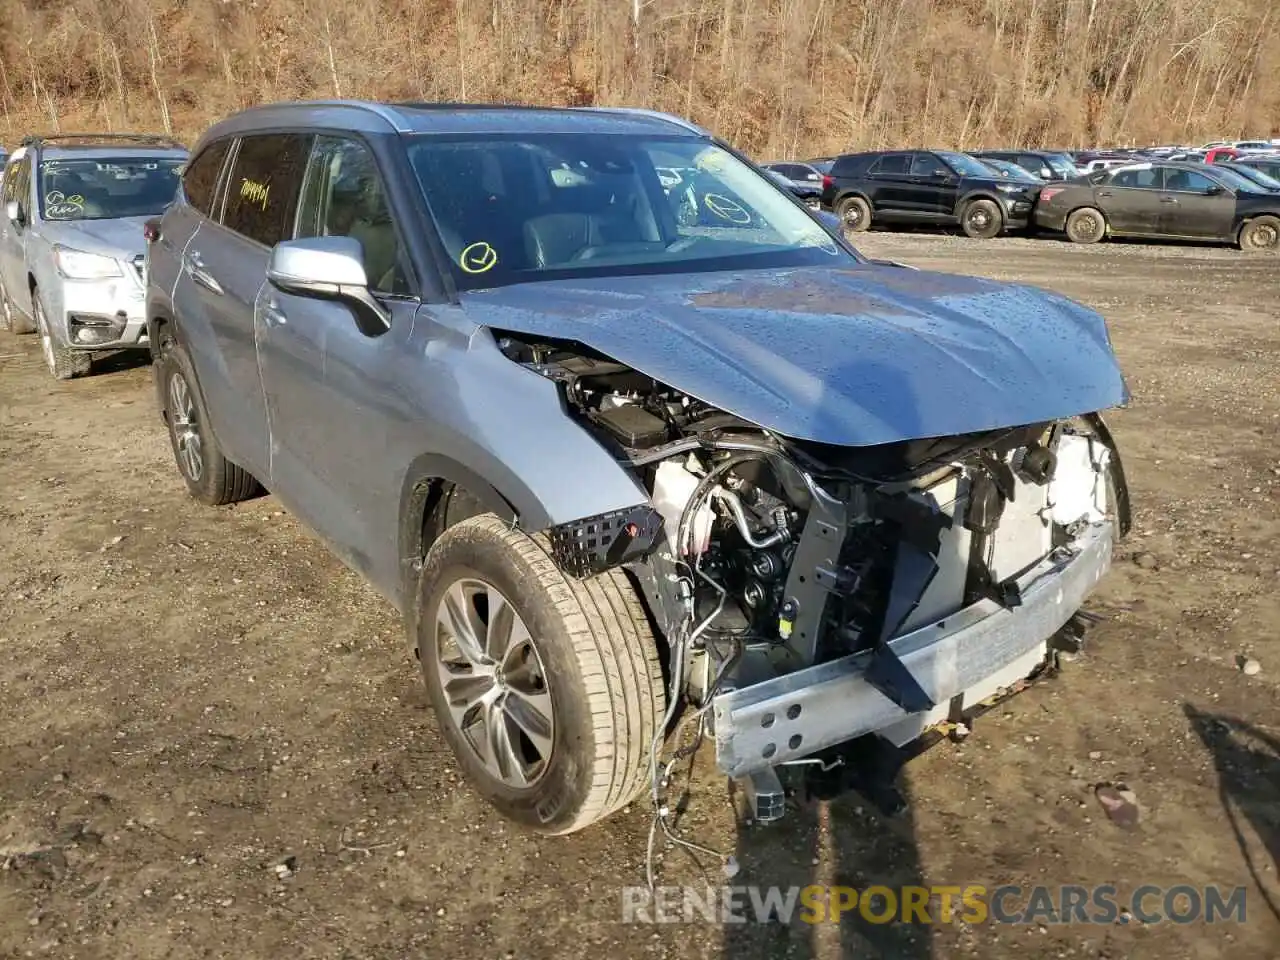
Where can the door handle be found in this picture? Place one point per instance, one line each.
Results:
(193, 264)
(1104, 193)
(272, 315)
(1168, 199)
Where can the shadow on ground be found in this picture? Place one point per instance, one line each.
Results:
(1247, 759)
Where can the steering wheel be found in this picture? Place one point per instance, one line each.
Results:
(726, 208)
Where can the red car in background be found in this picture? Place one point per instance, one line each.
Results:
(1218, 154)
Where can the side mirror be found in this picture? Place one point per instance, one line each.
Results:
(13, 210)
(328, 268)
(1213, 191)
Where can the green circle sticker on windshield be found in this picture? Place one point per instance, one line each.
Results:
(478, 258)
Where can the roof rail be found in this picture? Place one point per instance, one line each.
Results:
(85, 139)
(652, 115)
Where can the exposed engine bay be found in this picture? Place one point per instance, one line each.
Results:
(764, 556)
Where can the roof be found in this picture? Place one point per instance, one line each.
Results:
(109, 152)
(452, 119)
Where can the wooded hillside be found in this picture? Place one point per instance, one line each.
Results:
(777, 77)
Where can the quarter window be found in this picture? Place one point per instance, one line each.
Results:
(200, 180)
(262, 191)
(344, 197)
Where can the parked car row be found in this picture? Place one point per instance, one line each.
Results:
(1084, 197)
(621, 428)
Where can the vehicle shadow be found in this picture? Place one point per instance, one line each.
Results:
(120, 361)
(832, 843)
(1247, 759)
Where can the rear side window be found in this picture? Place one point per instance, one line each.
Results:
(1149, 179)
(892, 163)
(262, 191)
(852, 165)
(200, 181)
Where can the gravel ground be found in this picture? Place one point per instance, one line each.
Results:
(214, 741)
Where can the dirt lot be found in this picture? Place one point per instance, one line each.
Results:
(190, 697)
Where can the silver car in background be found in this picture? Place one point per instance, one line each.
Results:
(71, 240)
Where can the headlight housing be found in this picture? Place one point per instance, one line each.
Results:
(78, 265)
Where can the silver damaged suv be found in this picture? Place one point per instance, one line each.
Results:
(71, 240)
(637, 456)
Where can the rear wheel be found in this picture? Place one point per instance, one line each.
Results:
(854, 214)
(211, 478)
(10, 318)
(982, 219)
(548, 689)
(63, 362)
(1262, 233)
(1086, 225)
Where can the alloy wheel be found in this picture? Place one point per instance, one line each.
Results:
(494, 682)
(184, 423)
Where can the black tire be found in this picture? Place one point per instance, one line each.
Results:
(1086, 225)
(982, 219)
(854, 214)
(1261, 233)
(600, 674)
(63, 362)
(10, 318)
(211, 478)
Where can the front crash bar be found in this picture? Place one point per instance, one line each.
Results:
(800, 713)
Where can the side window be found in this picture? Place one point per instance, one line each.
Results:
(1146, 179)
(344, 197)
(262, 191)
(891, 163)
(927, 165)
(10, 191)
(200, 179)
(1188, 181)
(22, 184)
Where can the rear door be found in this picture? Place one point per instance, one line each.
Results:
(1191, 208)
(226, 264)
(1131, 200)
(889, 183)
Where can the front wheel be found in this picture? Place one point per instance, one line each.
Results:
(211, 478)
(548, 689)
(1262, 233)
(63, 362)
(1086, 225)
(982, 219)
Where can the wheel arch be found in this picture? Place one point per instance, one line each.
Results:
(429, 484)
(981, 193)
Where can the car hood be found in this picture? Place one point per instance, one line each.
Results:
(858, 356)
(121, 238)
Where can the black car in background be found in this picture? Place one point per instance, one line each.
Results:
(1268, 163)
(1184, 201)
(809, 193)
(934, 187)
(1045, 164)
(1260, 177)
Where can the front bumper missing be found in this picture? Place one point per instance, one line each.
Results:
(970, 654)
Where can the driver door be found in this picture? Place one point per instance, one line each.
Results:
(328, 402)
(933, 186)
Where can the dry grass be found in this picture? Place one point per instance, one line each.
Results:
(775, 76)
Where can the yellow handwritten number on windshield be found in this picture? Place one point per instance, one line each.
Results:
(478, 258)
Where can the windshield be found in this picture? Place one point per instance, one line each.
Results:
(1236, 181)
(1061, 163)
(1010, 171)
(1259, 177)
(516, 208)
(964, 164)
(106, 188)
